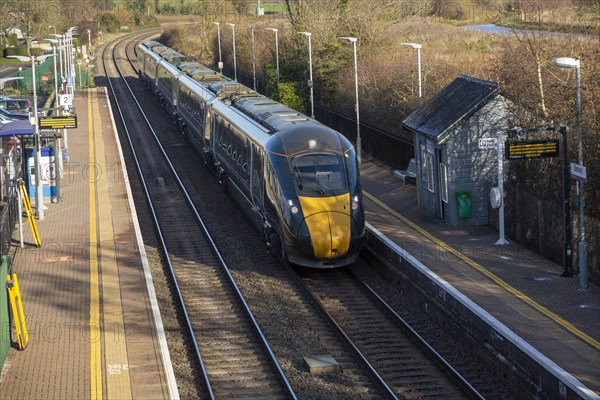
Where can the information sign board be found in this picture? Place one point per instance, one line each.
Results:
(488, 143)
(65, 99)
(68, 122)
(520, 149)
(578, 172)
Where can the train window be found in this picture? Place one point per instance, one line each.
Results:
(229, 149)
(245, 167)
(234, 155)
(319, 173)
(239, 160)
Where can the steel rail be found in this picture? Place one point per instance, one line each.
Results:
(455, 375)
(156, 223)
(199, 219)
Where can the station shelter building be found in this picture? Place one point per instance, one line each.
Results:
(454, 176)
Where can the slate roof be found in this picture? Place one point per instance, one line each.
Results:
(457, 101)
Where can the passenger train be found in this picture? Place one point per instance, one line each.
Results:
(296, 179)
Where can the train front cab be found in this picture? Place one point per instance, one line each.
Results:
(317, 197)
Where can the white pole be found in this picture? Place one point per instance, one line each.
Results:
(358, 140)
(419, 67)
(39, 193)
(582, 254)
(253, 59)
(219, 41)
(310, 79)
(277, 55)
(234, 56)
(276, 31)
(310, 82)
(500, 151)
(57, 148)
(55, 75)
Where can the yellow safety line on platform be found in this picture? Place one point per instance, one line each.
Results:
(118, 385)
(517, 293)
(95, 332)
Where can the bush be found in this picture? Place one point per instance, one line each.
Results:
(21, 51)
(109, 22)
(291, 94)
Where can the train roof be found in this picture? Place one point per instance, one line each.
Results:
(275, 116)
(204, 74)
(252, 129)
(201, 91)
(175, 59)
(189, 66)
(315, 137)
(231, 90)
(170, 68)
(152, 43)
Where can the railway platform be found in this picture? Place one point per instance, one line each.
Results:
(521, 289)
(92, 316)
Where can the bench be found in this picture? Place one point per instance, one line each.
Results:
(409, 173)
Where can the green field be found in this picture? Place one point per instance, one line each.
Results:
(10, 61)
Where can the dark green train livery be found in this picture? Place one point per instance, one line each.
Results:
(296, 179)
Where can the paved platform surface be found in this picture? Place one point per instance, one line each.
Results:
(520, 288)
(92, 330)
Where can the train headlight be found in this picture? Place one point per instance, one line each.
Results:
(355, 203)
(294, 209)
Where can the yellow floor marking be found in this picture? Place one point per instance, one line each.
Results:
(118, 384)
(553, 316)
(95, 333)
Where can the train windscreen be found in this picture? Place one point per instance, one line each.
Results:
(320, 174)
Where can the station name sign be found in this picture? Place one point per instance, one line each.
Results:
(58, 122)
(517, 150)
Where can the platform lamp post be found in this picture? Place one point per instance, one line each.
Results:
(417, 47)
(251, 27)
(568, 62)
(39, 194)
(234, 55)
(276, 51)
(310, 78)
(218, 24)
(354, 40)
(60, 56)
(89, 32)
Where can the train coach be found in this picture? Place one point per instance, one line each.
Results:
(296, 179)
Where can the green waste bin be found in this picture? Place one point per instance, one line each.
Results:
(463, 199)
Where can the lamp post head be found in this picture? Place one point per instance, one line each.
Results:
(251, 27)
(272, 29)
(217, 23)
(349, 39)
(307, 34)
(566, 62)
(415, 46)
(231, 25)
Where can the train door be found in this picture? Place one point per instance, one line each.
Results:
(256, 178)
(208, 117)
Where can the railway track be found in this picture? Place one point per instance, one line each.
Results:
(235, 359)
(400, 359)
(394, 377)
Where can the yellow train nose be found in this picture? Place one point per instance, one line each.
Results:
(328, 222)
